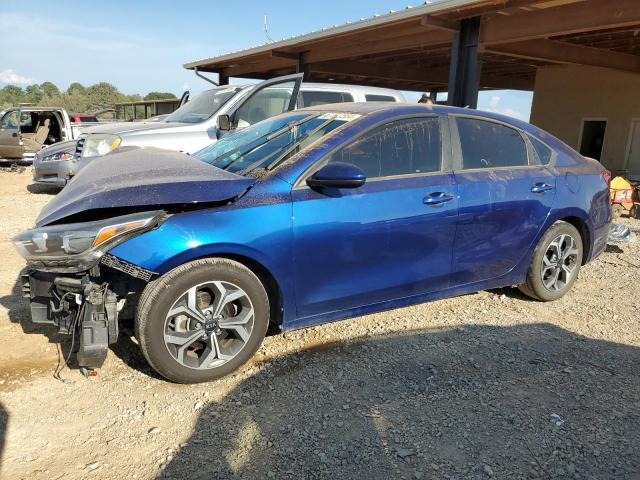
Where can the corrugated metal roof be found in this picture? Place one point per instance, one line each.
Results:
(390, 17)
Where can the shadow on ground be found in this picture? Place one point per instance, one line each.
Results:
(19, 312)
(46, 189)
(4, 420)
(531, 401)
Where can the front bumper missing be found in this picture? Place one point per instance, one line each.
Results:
(84, 304)
(77, 306)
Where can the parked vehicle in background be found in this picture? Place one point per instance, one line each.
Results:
(83, 118)
(196, 123)
(310, 216)
(26, 130)
(56, 164)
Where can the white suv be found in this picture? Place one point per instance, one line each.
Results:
(211, 114)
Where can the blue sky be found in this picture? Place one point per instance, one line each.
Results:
(141, 46)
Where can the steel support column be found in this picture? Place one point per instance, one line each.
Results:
(464, 70)
(223, 79)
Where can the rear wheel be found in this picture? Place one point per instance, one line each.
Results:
(202, 320)
(555, 263)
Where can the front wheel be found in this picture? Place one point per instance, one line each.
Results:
(555, 263)
(202, 320)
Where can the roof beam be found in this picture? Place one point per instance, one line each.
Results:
(567, 53)
(382, 71)
(577, 17)
(439, 22)
(261, 66)
(403, 74)
(336, 51)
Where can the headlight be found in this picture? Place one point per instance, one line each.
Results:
(97, 144)
(58, 157)
(77, 247)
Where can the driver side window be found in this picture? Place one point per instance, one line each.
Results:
(402, 147)
(10, 121)
(266, 103)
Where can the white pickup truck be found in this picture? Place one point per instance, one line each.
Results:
(26, 130)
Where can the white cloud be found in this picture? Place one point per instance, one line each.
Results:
(493, 105)
(10, 77)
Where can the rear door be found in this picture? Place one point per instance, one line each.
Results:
(10, 143)
(268, 99)
(505, 195)
(388, 239)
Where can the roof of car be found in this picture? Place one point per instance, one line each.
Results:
(367, 108)
(304, 86)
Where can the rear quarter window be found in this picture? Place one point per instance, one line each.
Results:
(543, 152)
(310, 98)
(379, 98)
(487, 144)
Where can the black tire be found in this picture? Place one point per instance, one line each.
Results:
(159, 296)
(534, 286)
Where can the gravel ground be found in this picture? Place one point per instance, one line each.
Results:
(489, 385)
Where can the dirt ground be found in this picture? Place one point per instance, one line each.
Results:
(485, 385)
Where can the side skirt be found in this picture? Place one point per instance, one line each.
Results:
(505, 281)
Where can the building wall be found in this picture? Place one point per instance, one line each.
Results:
(565, 95)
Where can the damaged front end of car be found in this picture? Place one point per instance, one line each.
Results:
(73, 283)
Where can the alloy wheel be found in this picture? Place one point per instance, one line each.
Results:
(559, 263)
(209, 324)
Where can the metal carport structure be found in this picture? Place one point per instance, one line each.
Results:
(459, 46)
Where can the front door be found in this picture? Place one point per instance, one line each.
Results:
(633, 156)
(390, 238)
(268, 99)
(505, 195)
(10, 144)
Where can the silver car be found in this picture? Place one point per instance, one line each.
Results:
(54, 165)
(200, 122)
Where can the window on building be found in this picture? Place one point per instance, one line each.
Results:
(401, 147)
(490, 145)
(592, 138)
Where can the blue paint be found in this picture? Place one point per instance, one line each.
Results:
(336, 253)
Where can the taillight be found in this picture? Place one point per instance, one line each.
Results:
(606, 176)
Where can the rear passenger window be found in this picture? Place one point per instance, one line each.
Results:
(490, 145)
(398, 148)
(544, 153)
(379, 98)
(310, 99)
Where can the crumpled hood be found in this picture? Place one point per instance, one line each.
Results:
(142, 177)
(122, 128)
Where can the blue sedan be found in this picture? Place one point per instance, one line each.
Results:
(315, 215)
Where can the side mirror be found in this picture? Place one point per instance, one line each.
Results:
(224, 122)
(337, 175)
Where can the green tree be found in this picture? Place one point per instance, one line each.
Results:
(102, 94)
(11, 96)
(49, 89)
(33, 93)
(76, 88)
(160, 96)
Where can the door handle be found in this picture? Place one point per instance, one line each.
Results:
(541, 187)
(14, 134)
(437, 199)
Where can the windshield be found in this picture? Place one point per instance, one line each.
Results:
(203, 106)
(270, 142)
